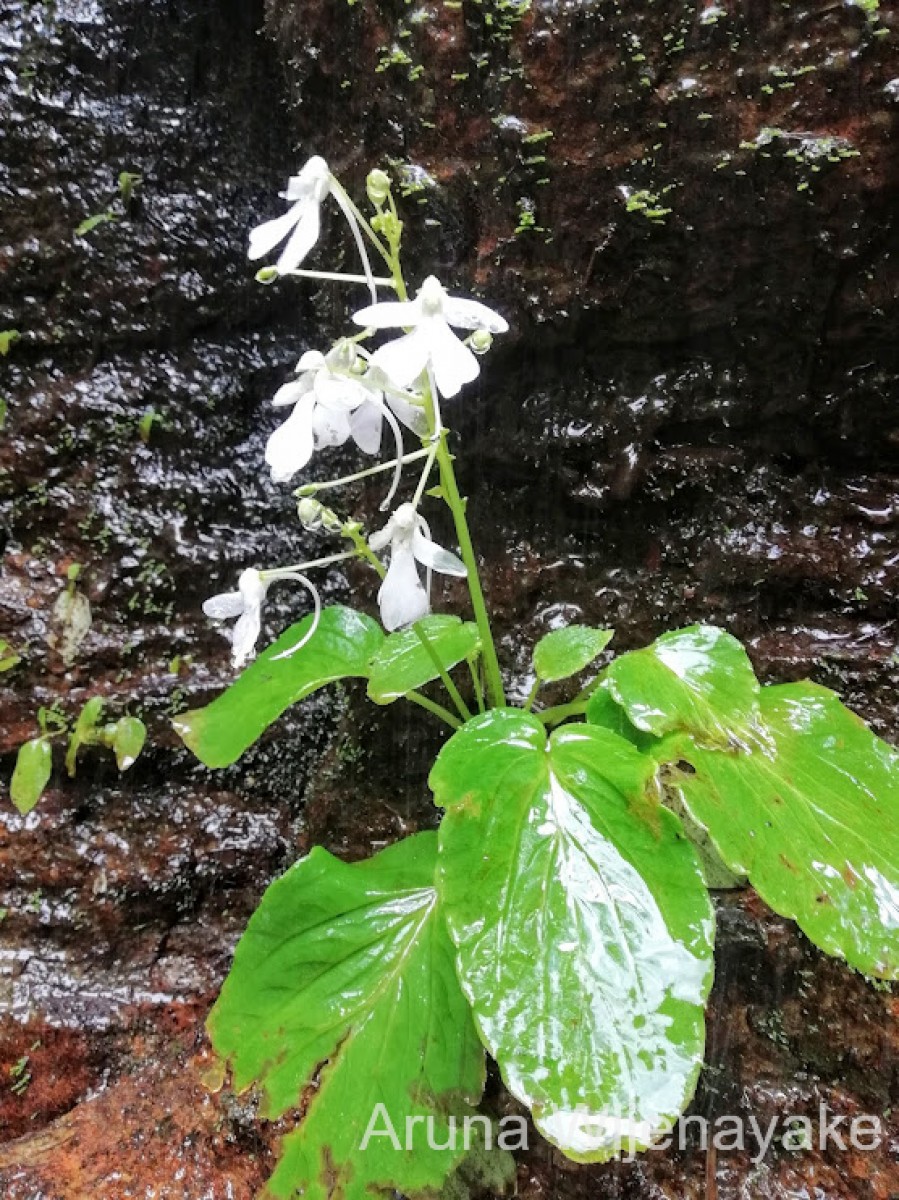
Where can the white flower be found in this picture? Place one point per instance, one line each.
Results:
(402, 597)
(329, 408)
(301, 222)
(404, 404)
(431, 343)
(246, 605)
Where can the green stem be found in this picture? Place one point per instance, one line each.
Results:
(337, 277)
(561, 712)
(532, 694)
(370, 233)
(455, 696)
(457, 508)
(438, 710)
(425, 475)
(277, 572)
(353, 531)
(310, 489)
(474, 668)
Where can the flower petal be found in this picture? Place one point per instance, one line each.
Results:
(382, 537)
(338, 392)
(389, 314)
(401, 597)
(291, 392)
(429, 554)
(454, 364)
(225, 604)
(302, 240)
(365, 425)
(245, 635)
(311, 360)
(314, 179)
(270, 233)
(330, 425)
(470, 314)
(411, 415)
(290, 447)
(252, 588)
(404, 359)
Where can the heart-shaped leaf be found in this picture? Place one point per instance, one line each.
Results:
(697, 680)
(403, 662)
(341, 647)
(812, 817)
(565, 652)
(343, 995)
(582, 924)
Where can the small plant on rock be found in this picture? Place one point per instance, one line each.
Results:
(559, 919)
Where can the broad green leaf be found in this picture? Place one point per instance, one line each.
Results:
(565, 652)
(7, 337)
(582, 925)
(343, 996)
(34, 765)
(341, 647)
(602, 710)
(697, 680)
(812, 817)
(402, 663)
(128, 737)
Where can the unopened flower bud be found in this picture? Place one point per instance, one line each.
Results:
(310, 513)
(388, 226)
(315, 515)
(378, 186)
(481, 341)
(330, 521)
(267, 275)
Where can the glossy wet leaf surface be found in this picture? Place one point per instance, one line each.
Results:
(345, 978)
(402, 663)
(340, 648)
(698, 680)
(583, 928)
(34, 765)
(84, 733)
(128, 737)
(603, 710)
(565, 652)
(813, 819)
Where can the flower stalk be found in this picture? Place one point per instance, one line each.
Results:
(348, 394)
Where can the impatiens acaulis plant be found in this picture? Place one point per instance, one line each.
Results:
(559, 919)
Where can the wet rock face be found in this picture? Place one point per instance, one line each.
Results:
(673, 167)
(685, 210)
(133, 431)
(693, 418)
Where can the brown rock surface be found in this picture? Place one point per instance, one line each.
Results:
(695, 417)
